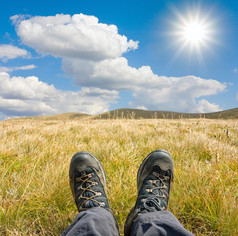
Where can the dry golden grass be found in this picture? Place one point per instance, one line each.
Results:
(35, 154)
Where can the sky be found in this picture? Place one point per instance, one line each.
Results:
(95, 56)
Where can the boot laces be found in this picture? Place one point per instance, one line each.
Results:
(87, 193)
(154, 202)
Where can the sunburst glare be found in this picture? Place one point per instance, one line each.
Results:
(193, 31)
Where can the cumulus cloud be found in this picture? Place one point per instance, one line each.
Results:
(117, 74)
(10, 69)
(149, 90)
(92, 52)
(21, 96)
(205, 106)
(77, 36)
(171, 100)
(8, 51)
(110, 74)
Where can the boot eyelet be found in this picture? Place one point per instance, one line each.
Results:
(148, 190)
(102, 204)
(155, 174)
(98, 194)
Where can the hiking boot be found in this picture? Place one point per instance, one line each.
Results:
(87, 181)
(154, 182)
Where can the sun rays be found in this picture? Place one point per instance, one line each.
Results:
(193, 31)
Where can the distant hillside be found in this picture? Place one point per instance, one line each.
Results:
(143, 114)
(126, 113)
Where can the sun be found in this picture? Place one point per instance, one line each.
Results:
(193, 31)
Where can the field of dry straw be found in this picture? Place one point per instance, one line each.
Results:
(35, 196)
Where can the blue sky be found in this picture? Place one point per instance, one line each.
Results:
(94, 56)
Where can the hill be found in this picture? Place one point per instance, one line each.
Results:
(144, 114)
(127, 113)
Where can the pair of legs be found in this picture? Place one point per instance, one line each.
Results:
(148, 217)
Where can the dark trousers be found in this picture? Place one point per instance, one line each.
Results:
(98, 221)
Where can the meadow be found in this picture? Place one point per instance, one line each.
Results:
(35, 154)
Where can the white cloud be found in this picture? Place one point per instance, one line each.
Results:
(79, 36)
(10, 69)
(235, 70)
(180, 94)
(110, 74)
(117, 74)
(171, 100)
(204, 106)
(8, 51)
(21, 96)
(16, 19)
(150, 90)
(92, 52)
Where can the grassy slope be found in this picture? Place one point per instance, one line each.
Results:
(34, 158)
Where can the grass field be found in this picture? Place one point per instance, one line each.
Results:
(35, 196)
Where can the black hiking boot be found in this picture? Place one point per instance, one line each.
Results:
(87, 181)
(154, 180)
